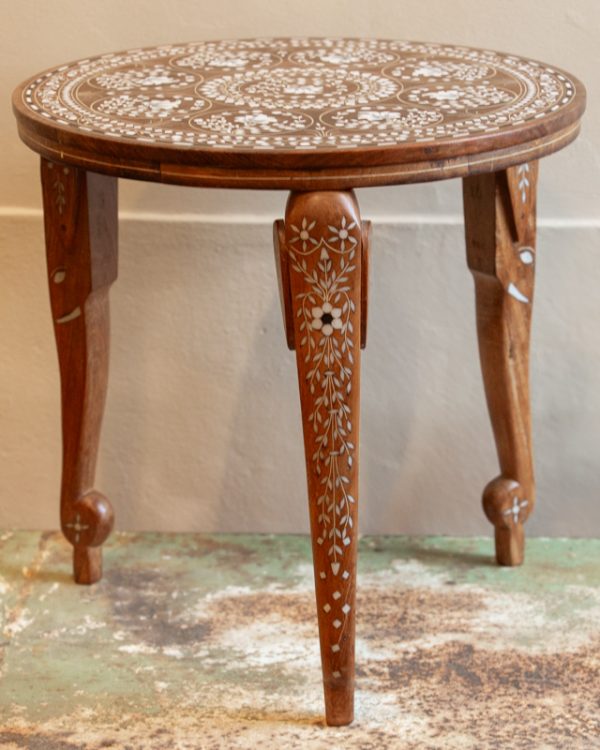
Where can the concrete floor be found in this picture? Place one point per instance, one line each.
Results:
(197, 641)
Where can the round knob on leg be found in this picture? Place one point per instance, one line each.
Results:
(507, 508)
(89, 522)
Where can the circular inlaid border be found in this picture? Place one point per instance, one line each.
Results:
(448, 89)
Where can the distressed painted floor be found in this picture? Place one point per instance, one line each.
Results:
(196, 641)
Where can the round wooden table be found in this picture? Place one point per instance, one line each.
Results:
(317, 117)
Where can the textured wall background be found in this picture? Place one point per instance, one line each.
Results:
(202, 429)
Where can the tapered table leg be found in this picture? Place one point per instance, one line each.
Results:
(321, 248)
(500, 234)
(80, 217)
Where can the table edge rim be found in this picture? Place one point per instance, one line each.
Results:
(315, 179)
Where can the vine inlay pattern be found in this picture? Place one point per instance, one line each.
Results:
(326, 262)
(297, 93)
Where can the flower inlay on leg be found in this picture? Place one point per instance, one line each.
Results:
(320, 251)
(326, 318)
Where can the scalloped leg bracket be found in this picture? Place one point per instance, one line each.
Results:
(80, 219)
(283, 280)
(500, 210)
(321, 253)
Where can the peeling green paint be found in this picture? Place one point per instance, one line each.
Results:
(214, 636)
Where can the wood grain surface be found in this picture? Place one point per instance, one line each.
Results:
(500, 225)
(321, 245)
(80, 216)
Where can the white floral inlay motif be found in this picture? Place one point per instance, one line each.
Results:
(326, 318)
(351, 52)
(522, 174)
(218, 56)
(150, 77)
(60, 197)
(458, 98)
(299, 88)
(139, 106)
(326, 310)
(342, 234)
(294, 94)
(303, 234)
(450, 71)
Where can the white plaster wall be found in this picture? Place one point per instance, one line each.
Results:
(202, 429)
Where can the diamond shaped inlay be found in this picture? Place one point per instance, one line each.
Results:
(337, 624)
(326, 608)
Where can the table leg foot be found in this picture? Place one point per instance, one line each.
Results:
(87, 564)
(500, 497)
(80, 218)
(320, 249)
(500, 234)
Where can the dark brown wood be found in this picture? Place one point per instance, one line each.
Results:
(500, 225)
(364, 282)
(324, 117)
(338, 178)
(330, 114)
(321, 245)
(283, 279)
(80, 218)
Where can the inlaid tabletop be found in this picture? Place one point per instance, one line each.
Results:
(298, 104)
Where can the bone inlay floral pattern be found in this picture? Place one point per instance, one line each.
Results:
(298, 93)
(324, 254)
(318, 118)
(325, 311)
(523, 172)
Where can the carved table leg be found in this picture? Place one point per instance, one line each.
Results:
(80, 217)
(500, 234)
(321, 251)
